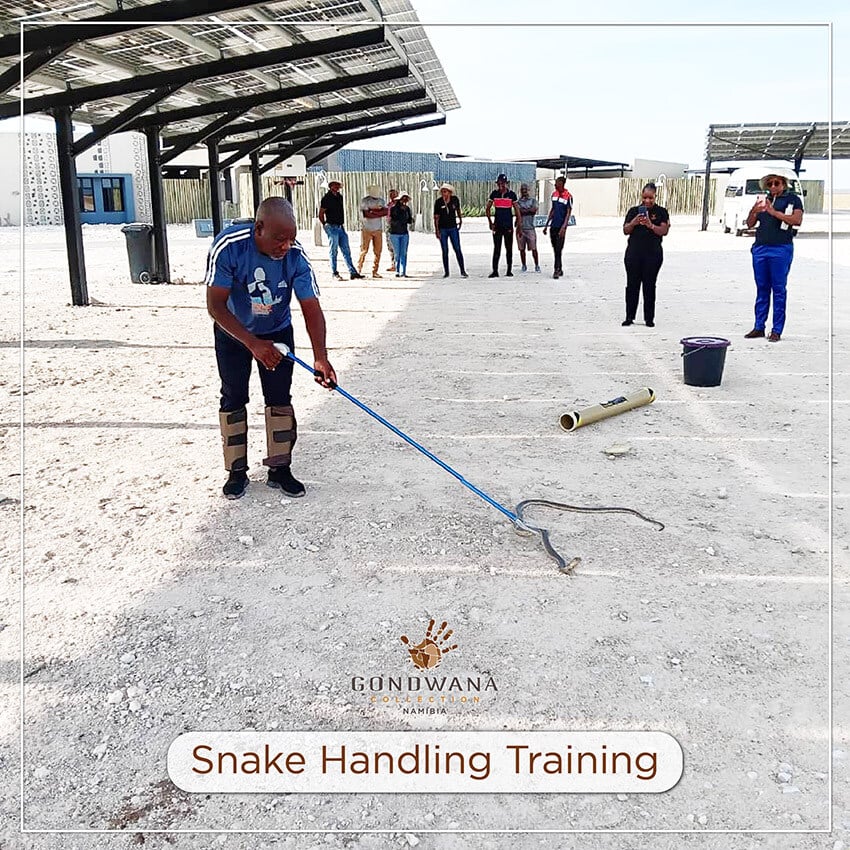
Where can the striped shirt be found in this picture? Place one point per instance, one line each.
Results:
(260, 287)
(504, 205)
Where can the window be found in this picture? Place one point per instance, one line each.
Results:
(85, 188)
(734, 191)
(113, 194)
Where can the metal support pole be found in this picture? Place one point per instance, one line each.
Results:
(706, 190)
(215, 188)
(71, 206)
(256, 185)
(287, 192)
(160, 234)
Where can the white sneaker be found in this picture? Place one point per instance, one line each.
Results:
(524, 268)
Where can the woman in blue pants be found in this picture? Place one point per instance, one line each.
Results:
(777, 214)
(400, 220)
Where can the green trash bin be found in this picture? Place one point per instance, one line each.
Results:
(140, 251)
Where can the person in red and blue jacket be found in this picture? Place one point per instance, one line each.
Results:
(558, 221)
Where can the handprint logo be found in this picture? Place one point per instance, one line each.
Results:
(429, 652)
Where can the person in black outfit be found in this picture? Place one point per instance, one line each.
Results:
(507, 209)
(447, 222)
(645, 226)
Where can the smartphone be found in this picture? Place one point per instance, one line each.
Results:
(642, 210)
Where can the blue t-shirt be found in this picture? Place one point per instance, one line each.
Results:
(772, 231)
(260, 287)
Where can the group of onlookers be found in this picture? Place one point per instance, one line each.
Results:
(374, 209)
(511, 214)
(646, 225)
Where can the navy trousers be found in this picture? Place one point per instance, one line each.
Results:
(234, 369)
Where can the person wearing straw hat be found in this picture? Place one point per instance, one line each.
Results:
(447, 222)
(373, 209)
(332, 218)
(777, 215)
(401, 218)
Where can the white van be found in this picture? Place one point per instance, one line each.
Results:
(741, 192)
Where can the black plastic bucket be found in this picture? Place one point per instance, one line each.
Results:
(703, 359)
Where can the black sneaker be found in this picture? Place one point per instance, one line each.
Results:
(445, 275)
(464, 274)
(509, 273)
(493, 274)
(236, 484)
(281, 477)
(650, 324)
(626, 323)
(336, 276)
(358, 276)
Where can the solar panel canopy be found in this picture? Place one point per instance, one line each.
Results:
(232, 33)
(781, 141)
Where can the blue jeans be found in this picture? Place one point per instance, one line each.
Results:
(400, 241)
(451, 234)
(338, 239)
(771, 264)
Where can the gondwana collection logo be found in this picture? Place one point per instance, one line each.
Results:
(426, 694)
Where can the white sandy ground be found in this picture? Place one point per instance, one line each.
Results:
(136, 578)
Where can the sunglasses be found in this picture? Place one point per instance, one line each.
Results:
(775, 183)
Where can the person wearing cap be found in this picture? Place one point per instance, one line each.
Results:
(447, 222)
(332, 217)
(401, 218)
(527, 236)
(373, 209)
(392, 195)
(505, 202)
(558, 221)
(776, 214)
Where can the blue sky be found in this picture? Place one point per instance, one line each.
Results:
(624, 92)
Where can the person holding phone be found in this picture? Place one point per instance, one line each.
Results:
(776, 214)
(645, 225)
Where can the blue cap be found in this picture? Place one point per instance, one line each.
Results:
(502, 177)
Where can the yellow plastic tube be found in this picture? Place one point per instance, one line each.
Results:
(596, 412)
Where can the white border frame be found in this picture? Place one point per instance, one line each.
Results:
(830, 511)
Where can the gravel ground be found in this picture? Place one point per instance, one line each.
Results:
(155, 607)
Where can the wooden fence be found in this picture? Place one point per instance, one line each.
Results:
(188, 199)
(680, 196)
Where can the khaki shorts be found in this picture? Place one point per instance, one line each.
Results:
(527, 240)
